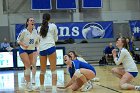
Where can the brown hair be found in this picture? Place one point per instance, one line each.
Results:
(44, 25)
(26, 25)
(74, 53)
(125, 44)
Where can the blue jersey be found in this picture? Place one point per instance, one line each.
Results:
(76, 64)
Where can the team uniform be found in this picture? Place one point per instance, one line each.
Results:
(128, 62)
(47, 44)
(30, 39)
(76, 64)
(81, 59)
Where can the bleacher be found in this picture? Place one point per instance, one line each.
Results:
(91, 51)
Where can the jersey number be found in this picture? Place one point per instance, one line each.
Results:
(31, 41)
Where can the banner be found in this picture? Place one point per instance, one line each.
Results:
(91, 3)
(80, 30)
(41, 4)
(66, 4)
(85, 30)
(6, 59)
(135, 27)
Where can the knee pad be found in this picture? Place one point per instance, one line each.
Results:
(124, 86)
(54, 72)
(78, 73)
(43, 72)
(27, 71)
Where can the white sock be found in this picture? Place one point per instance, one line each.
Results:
(33, 76)
(54, 89)
(41, 87)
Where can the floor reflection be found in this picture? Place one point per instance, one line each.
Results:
(7, 81)
(12, 80)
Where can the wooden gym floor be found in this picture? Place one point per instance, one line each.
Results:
(10, 81)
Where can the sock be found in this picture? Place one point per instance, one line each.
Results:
(54, 89)
(42, 87)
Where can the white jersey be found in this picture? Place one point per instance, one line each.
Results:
(50, 39)
(30, 39)
(126, 59)
(81, 59)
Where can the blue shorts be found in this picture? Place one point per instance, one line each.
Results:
(48, 51)
(27, 51)
(134, 74)
(93, 70)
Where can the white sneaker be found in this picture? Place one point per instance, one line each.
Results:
(86, 87)
(96, 79)
(42, 88)
(29, 87)
(23, 80)
(137, 88)
(54, 89)
(90, 82)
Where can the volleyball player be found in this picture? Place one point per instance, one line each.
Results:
(129, 70)
(74, 56)
(27, 39)
(48, 37)
(80, 73)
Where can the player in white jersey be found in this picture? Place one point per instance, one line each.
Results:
(129, 70)
(74, 56)
(27, 39)
(48, 36)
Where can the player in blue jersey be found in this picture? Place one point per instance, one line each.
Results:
(74, 56)
(80, 73)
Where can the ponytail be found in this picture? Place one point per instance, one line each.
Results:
(44, 25)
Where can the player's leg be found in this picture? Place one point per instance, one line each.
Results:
(52, 59)
(87, 75)
(26, 61)
(126, 79)
(77, 84)
(118, 72)
(34, 66)
(43, 63)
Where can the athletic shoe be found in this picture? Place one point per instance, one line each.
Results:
(40, 88)
(137, 88)
(23, 80)
(54, 89)
(86, 87)
(95, 79)
(90, 82)
(28, 87)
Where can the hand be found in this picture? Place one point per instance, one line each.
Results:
(25, 46)
(114, 52)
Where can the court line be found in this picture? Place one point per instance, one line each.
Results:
(109, 88)
(103, 86)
